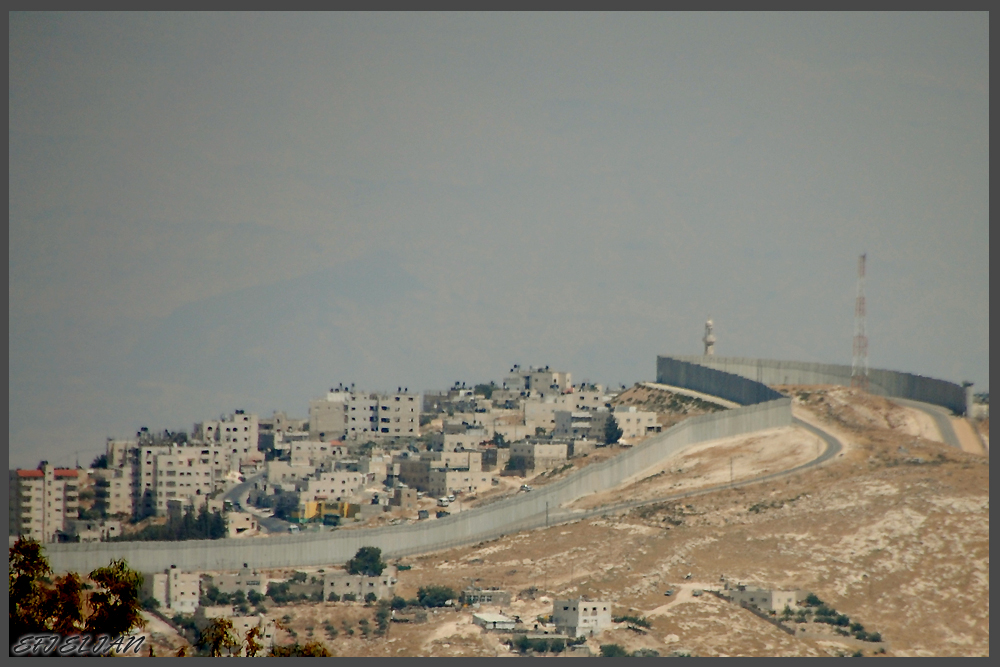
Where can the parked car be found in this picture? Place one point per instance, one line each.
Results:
(525, 487)
(669, 593)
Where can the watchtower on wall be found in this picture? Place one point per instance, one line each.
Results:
(709, 338)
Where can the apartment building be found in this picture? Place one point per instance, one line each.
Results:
(246, 580)
(238, 431)
(539, 411)
(185, 475)
(581, 424)
(540, 381)
(540, 455)
(314, 452)
(346, 414)
(333, 486)
(113, 489)
(41, 501)
(636, 424)
(175, 590)
(443, 481)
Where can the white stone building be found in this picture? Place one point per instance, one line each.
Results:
(175, 590)
(581, 617)
(341, 583)
(41, 501)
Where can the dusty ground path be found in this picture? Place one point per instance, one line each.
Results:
(967, 436)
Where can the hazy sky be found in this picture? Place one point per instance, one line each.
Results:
(213, 211)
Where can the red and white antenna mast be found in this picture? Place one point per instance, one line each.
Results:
(859, 366)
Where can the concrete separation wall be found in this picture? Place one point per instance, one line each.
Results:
(722, 383)
(527, 510)
(676, 370)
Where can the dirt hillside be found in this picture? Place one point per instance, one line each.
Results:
(893, 533)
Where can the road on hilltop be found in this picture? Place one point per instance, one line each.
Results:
(238, 497)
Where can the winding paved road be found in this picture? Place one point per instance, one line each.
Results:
(238, 497)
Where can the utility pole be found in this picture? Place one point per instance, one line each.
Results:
(546, 514)
(859, 364)
(730, 469)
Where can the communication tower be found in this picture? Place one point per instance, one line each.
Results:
(859, 365)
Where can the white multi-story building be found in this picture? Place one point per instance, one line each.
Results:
(540, 381)
(346, 414)
(539, 411)
(540, 455)
(581, 617)
(334, 486)
(184, 475)
(41, 501)
(238, 431)
(114, 489)
(176, 591)
(636, 424)
(314, 452)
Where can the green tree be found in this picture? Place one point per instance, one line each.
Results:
(612, 432)
(435, 596)
(218, 637)
(367, 561)
(39, 606)
(613, 651)
(485, 390)
(100, 462)
(115, 605)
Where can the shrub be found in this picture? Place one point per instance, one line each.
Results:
(350, 597)
(557, 646)
(540, 645)
(299, 577)
(334, 597)
(398, 603)
(875, 637)
(813, 601)
(613, 651)
(640, 621)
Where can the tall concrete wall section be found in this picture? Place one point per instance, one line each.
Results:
(709, 380)
(881, 382)
(526, 510)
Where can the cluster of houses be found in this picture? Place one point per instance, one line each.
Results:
(357, 455)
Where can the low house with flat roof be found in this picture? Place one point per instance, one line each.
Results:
(491, 621)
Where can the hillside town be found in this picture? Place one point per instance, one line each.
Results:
(358, 457)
